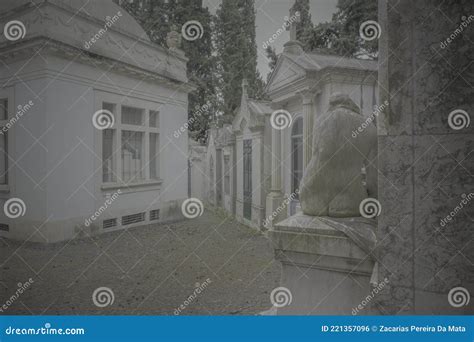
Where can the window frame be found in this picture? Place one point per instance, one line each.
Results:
(118, 127)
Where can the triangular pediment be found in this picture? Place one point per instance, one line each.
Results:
(285, 73)
(246, 119)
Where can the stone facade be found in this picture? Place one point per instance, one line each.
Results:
(228, 169)
(69, 70)
(251, 127)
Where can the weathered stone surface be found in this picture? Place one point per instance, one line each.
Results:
(443, 198)
(325, 271)
(425, 166)
(332, 184)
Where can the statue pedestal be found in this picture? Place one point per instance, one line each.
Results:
(325, 271)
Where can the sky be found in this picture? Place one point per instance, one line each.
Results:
(270, 17)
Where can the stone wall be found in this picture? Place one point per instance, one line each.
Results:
(425, 166)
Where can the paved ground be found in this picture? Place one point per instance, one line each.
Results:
(151, 270)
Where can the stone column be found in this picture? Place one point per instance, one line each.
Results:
(307, 98)
(276, 160)
(275, 197)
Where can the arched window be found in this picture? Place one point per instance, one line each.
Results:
(296, 154)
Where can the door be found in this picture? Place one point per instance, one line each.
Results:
(212, 198)
(247, 179)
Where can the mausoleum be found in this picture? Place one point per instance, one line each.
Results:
(90, 154)
(251, 127)
(302, 84)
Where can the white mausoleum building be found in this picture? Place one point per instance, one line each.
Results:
(77, 58)
(302, 84)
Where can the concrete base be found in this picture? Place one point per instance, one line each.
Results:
(325, 271)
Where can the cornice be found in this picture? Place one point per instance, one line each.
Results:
(27, 49)
(63, 7)
(315, 80)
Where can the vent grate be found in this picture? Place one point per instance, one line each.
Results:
(109, 223)
(134, 218)
(154, 215)
(4, 227)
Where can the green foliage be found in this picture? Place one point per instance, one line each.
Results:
(158, 17)
(305, 26)
(236, 51)
(272, 59)
(218, 61)
(341, 35)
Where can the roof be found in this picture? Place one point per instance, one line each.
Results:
(259, 107)
(103, 32)
(97, 9)
(294, 66)
(319, 61)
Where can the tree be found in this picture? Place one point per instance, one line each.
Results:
(158, 18)
(341, 35)
(272, 59)
(236, 52)
(304, 26)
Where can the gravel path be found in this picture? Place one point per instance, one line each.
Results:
(151, 270)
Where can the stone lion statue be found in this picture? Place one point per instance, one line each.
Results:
(334, 183)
